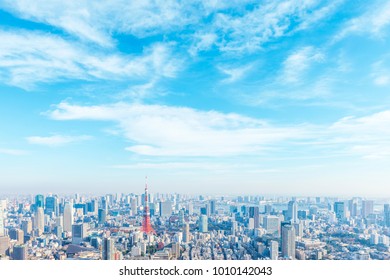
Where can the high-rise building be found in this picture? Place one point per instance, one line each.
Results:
(39, 224)
(108, 249)
(68, 217)
(288, 241)
(102, 216)
(339, 209)
(19, 252)
(165, 208)
(16, 234)
(186, 233)
(272, 225)
(367, 208)
(203, 223)
(39, 201)
(4, 245)
(79, 232)
(274, 250)
(292, 211)
(2, 210)
(213, 206)
(133, 206)
(27, 226)
(234, 227)
(254, 213)
(387, 215)
(51, 205)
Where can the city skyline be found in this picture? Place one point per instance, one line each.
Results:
(267, 98)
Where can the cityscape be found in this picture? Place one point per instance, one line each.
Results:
(263, 127)
(188, 227)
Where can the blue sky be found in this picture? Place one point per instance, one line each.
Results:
(257, 97)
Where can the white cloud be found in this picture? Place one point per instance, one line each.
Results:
(178, 131)
(13, 152)
(56, 140)
(372, 22)
(367, 136)
(267, 22)
(234, 73)
(96, 20)
(298, 62)
(27, 58)
(202, 42)
(156, 130)
(381, 72)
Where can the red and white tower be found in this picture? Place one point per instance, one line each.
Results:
(146, 225)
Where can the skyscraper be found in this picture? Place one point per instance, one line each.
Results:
(288, 241)
(19, 252)
(16, 234)
(213, 207)
(27, 226)
(79, 232)
(165, 208)
(293, 211)
(108, 249)
(387, 215)
(4, 245)
(39, 201)
(203, 224)
(274, 250)
(186, 233)
(102, 216)
(272, 225)
(68, 216)
(51, 205)
(254, 213)
(2, 210)
(367, 208)
(39, 225)
(339, 209)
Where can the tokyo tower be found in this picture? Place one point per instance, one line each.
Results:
(146, 225)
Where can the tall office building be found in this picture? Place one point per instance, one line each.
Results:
(16, 234)
(102, 216)
(367, 208)
(27, 226)
(39, 201)
(339, 209)
(274, 250)
(213, 207)
(108, 249)
(254, 213)
(292, 211)
(288, 241)
(272, 225)
(2, 210)
(79, 232)
(234, 227)
(353, 207)
(19, 252)
(203, 223)
(186, 233)
(51, 205)
(68, 217)
(39, 225)
(4, 245)
(165, 208)
(133, 206)
(386, 215)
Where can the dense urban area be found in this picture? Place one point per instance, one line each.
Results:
(188, 227)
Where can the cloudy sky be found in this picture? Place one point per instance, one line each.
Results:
(238, 96)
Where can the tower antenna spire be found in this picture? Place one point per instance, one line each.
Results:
(146, 225)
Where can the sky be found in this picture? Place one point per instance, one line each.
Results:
(215, 97)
